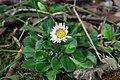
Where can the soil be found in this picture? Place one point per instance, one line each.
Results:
(111, 75)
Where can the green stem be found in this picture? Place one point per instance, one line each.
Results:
(9, 51)
(5, 68)
(37, 13)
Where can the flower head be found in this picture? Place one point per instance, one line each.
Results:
(59, 33)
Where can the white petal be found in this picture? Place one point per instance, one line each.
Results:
(68, 36)
(53, 36)
(60, 25)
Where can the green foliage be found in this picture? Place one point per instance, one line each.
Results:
(6, 67)
(29, 52)
(55, 63)
(36, 29)
(68, 65)
(74, 28)
(56, 7)
(39, 45)
(41, 6)
(71, 47)
(13, 77)
(44, 56)
(117, 45)
(43, 53)
(84, 59)
(34, 35)
(42, 67)
(29, 64)
(29, 42)
(51, 75)
(66, 57)
(79, 56)
(91, 57)
(107, 32)
(85, 64)
(84, 39)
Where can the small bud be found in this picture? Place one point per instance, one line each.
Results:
(51, 53)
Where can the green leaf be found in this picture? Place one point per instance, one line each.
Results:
(29, 64)
(34, 35)
(42, 67)
(13, 77)
(84, 41)
(85, 64)
(39, 45)
(74, 27)
(76, 62)
(78, 55)
(28, 41)
(71, 47)
(47, 25)
(67, 63)
(32, 64)
(42, 53)
(117, 45)
(36, 29)
(56, 7)
(41, 58)
(69, 51)
(55, 63)
(73, 44)
(47, 45)
(41, 6)
(26, 28)
(107, 32)
(93, 34)
(29, 52)
(51, 75)
(91, 57)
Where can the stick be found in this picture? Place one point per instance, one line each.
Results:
(83, 26)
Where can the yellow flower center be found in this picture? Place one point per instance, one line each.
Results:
(60, 33)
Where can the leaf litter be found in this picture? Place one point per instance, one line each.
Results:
(105, 10)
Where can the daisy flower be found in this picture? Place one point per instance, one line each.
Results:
(59, 33)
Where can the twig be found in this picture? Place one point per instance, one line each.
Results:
(66, 1)
(83, 26)
(11, 69)
(86, 18)
(9, 2)
(15, 10)
(1, 46)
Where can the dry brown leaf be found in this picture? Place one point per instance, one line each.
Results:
(9, 1)
(106, 9)
(113, 18)
(117, 14)
(117, 2)
(2, 30)
(69, 1)
(91, 73)
(88, 26)
(111, 62)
